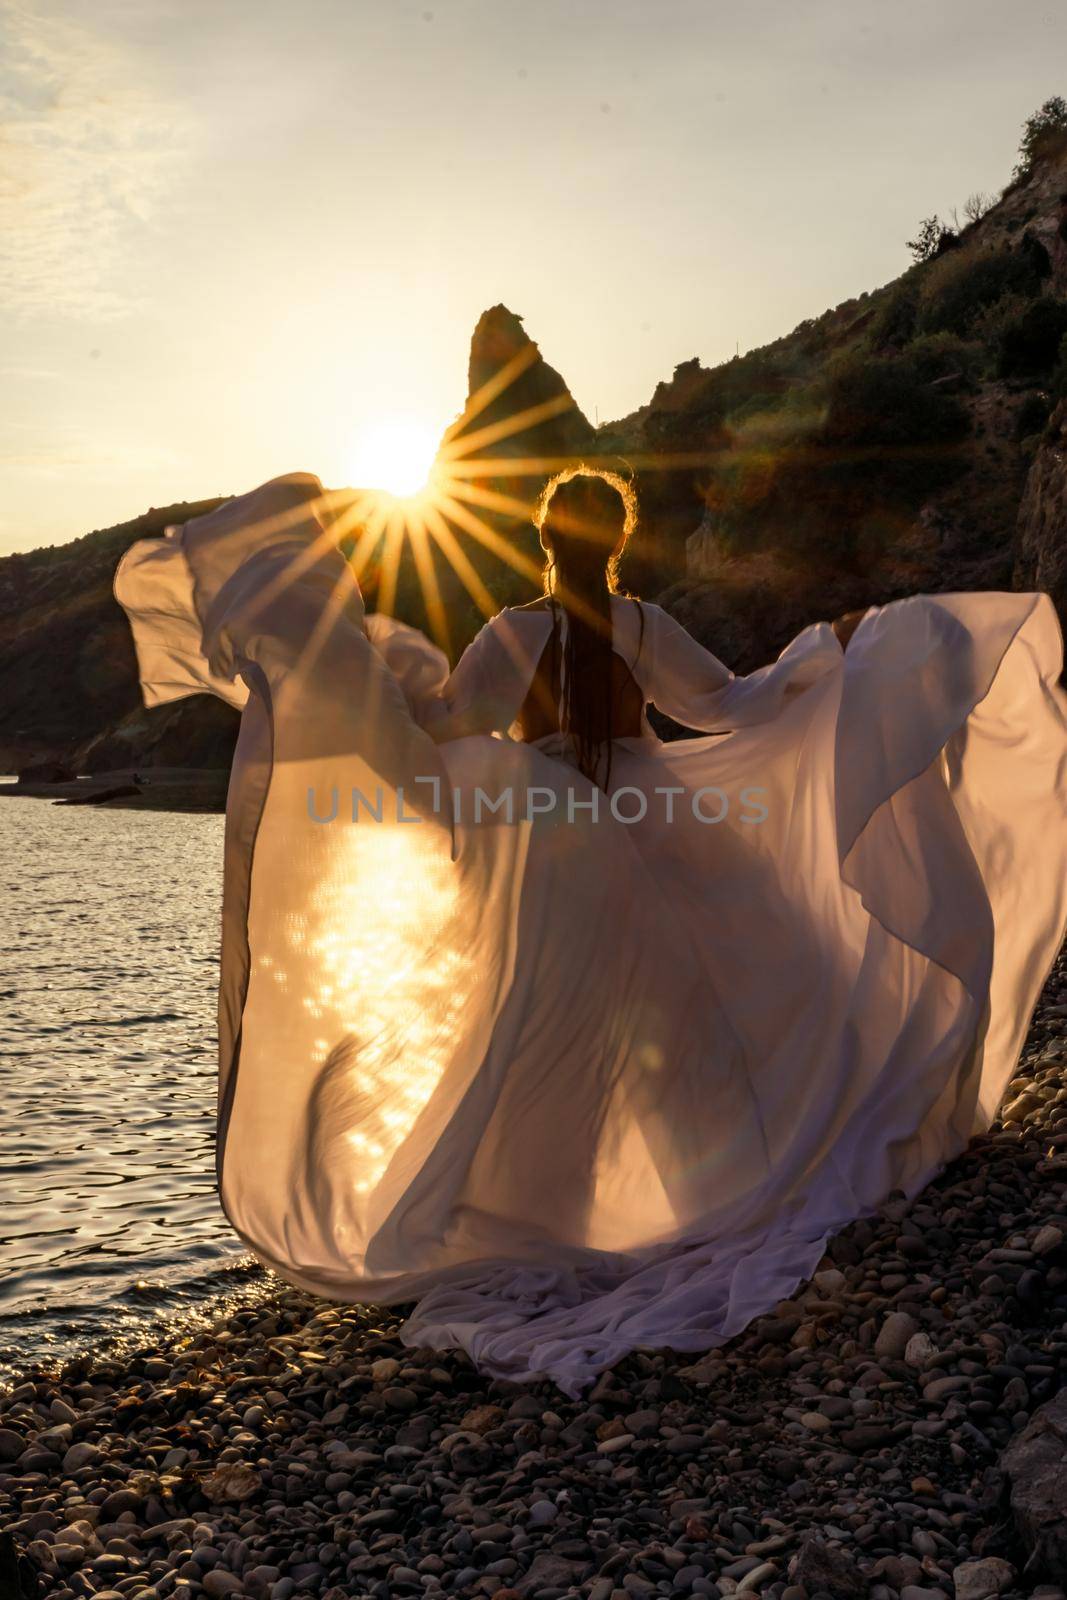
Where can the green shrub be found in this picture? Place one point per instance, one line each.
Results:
(888, 440)
(887, 400)
(943, 355)
(1030, 344)
(895, 323)
(1042, 133)
(965, 285)
(990, 323)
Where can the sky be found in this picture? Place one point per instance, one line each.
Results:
(244, 237)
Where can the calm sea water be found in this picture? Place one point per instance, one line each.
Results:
(108, 1210)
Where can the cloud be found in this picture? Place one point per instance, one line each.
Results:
(87, 149)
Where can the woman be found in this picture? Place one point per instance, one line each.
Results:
(583, 1041)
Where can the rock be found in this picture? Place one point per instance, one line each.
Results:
(82, 1455)
(982, 1579)
(918, 1350)
(759, 1575)
(618, 1441)
(231, 1482)
(1034, 1466)
(941, 1388)
(384, 1369)
(481, 1418)
(548, 1571)
(12, 1444)
(218, 1582)
(815, 1422)
(118, 1501)
(46, 772)
(896, 1332)
(821, 1566)
(1046, 1240)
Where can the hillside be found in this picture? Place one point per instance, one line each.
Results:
(914, 438)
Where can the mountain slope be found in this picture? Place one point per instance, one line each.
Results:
(906, 440)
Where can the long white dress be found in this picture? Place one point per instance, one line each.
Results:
(577, 1073)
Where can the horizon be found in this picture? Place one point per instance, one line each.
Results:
(221, 268)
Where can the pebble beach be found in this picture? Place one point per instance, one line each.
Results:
(886, 1432)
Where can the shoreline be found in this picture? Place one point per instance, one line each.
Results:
(851, 1442)
(191, 789)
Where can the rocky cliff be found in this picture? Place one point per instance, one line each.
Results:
(1041, 560)
(911, 439)
(68, 669)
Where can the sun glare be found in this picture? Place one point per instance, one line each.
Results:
(394, 454)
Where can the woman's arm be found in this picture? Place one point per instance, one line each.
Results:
(483, 693)
(694, 687)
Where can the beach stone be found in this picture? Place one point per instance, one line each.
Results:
(481, 1418)
(82, 1455)
(1046, 1240)
(919, 1349)
(548, 1571)
(818, 1566)
(982, 1579)
(118, 1501)
(897, 1329)
(12, 1444)
(940, 1388)
(218, 1582)
(1034, 1466)
(816, 1422)
(232, 1481)
(384, 1369)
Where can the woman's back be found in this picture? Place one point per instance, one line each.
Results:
(541, 712)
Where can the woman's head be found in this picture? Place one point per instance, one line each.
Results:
(584, 516)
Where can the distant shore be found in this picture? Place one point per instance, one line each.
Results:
(132, 789)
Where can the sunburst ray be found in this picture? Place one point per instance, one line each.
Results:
(494, 432)
(427, 573)
(493, 386)
(460, 562)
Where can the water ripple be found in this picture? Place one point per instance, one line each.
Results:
(107, 1042)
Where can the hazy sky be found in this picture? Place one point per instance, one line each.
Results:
(237, 232)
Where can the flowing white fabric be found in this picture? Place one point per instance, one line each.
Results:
(601, 1074)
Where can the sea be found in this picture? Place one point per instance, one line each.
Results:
(109, 1216)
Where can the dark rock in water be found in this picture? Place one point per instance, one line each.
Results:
(121, 791)
(47, 772)
(1034, 1464)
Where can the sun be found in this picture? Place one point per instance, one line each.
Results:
(394, 454)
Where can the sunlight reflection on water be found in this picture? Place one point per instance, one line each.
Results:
(107, 1039)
